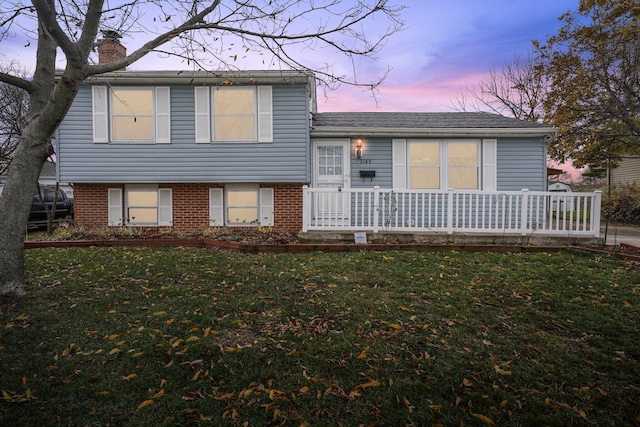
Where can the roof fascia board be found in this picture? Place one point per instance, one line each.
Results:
(326, 131)
(228, 78)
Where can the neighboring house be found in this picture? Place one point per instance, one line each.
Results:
(559, 187)
(190, 150)
(627, 172)
(48, 177)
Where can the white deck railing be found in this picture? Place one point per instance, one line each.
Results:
(452, 211)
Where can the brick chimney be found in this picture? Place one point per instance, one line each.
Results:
(109, 48)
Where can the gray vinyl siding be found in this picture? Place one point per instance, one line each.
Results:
(183, 160)
(522, 164)
(628, 172)
(378, 152)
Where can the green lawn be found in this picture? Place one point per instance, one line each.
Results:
(126, 336)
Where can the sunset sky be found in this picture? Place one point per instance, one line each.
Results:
(446, 46)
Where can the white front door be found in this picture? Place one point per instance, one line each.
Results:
(331, 169)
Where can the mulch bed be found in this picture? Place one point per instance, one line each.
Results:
(277, 241)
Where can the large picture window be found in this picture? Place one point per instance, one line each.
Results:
(442, 164)
(234, 114)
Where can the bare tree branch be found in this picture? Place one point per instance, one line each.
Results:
(517, 90)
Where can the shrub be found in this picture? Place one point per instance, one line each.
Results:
(622, 204)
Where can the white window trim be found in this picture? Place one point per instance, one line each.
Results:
(487, 162)
(102, 115)
(217, 206)
(165, 205)
(263, 114)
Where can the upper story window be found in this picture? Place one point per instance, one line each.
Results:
(234, 114)
(131, 114)
(441, 164)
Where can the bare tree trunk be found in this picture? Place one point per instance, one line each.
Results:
(15, 204)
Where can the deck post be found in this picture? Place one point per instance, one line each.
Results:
(306, 208)
(449, 210)
(525, 211)
(596, 206)
(376, 208)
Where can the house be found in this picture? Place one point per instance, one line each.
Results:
(188, 150)
(559, 187)
(627, 172)
(191, 150)
(434, 172)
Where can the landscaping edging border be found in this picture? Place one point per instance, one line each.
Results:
(318, 247)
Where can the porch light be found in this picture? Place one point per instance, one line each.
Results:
(359, 148)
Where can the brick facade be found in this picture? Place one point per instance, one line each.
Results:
(190, 205)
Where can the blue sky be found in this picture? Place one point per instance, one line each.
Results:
(448, 45)
(445, 47)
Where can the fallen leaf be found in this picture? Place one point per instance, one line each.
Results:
(143, 404)
(483, 418)
(368, 384)
(500, 370)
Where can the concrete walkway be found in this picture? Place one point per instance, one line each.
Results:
(620, 233)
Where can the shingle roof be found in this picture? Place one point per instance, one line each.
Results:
(474, 120)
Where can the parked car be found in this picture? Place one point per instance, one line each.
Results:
(38, 213)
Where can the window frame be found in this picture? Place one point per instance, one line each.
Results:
(485, 167)
(103, 114)
(477, 166)
(119, 205)
(222, 113)
(205, 114)
(219, 206)
(241, 188)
